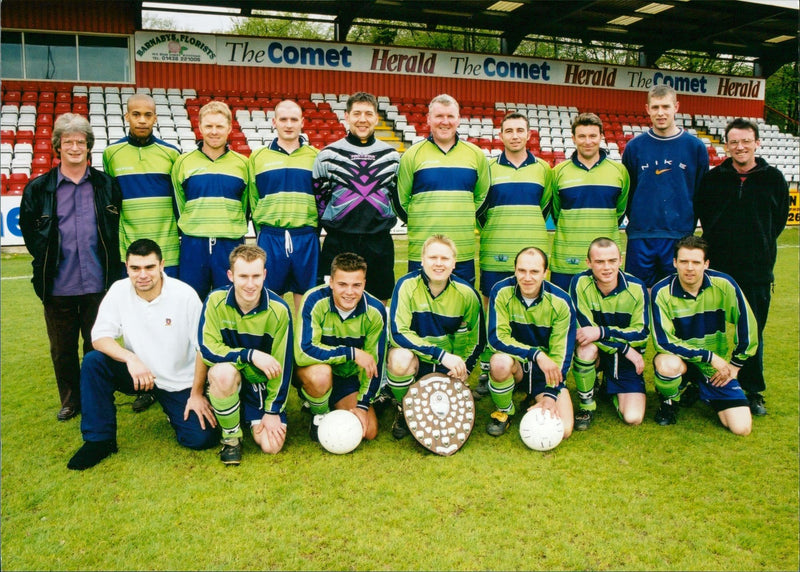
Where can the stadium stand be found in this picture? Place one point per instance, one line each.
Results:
(29, 109)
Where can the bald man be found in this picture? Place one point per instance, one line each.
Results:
(283, 205)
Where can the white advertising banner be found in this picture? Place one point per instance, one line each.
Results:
(287, 53)
(175, 47)
(10, 234)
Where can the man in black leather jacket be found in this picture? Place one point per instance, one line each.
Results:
(69, 219)
(742, 205)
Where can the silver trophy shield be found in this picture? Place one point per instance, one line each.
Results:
(440, 413)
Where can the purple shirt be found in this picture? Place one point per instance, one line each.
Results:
(79, 269)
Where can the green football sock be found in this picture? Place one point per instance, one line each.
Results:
(318, 405)
(226, 410)
(502, 393)
(668, 387)
(399, 385)
(585, 375)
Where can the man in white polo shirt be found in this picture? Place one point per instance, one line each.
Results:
(157, 318)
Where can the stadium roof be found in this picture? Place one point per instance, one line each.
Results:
(766, 30)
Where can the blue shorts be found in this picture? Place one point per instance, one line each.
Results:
(292, 258)
(719, 398)
(464, 269)
(204, 262)
(342, 387)
(561, 280)
(533, 381)
(252, 397)
(650, 259)
(491, 277)
(619, 374)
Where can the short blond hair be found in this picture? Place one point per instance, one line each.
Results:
(215, 107)
(248, 253)
(440, 239)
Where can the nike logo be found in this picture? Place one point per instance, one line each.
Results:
(659, 171)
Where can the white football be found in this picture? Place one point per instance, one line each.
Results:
(540, 431)
(339, 432)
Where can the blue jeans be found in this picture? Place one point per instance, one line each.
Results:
(101, 376)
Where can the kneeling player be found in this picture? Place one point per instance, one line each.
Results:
(613, 318)
(531, 327)
(340, 345)
(436, 324)
(690, 310)
(246, 338)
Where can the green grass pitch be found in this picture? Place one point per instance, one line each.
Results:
(685, 497)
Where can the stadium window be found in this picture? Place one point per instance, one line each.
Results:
(50, 56)
(11, 54)
(36, 55)
(103, 58)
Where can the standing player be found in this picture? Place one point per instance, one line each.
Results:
(283, 206)
(532, 329)
(246, 338)
(613, 310)
(211, 191)
(436, 322)
(341, 344)
(690, 311)
(590, 192)
(665, 165)
(516, 209)
(141, 164)
(742, 205)
(441, 185)
(355, 179)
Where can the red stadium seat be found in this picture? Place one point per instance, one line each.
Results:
(12, 97)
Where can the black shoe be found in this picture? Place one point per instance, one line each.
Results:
(482, 389)
(142, 402)
(383, 401)
(399, 427)
(231, 452)
(690, 395)
(313, 428)
(756, 401)
(499, 423)
(583, 418)
(91, 453)
(67, 412)
(667, 414)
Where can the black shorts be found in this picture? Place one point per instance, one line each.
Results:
(377, 249)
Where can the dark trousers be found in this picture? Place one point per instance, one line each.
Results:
(101, 376)
(67, 318)
(751, 376)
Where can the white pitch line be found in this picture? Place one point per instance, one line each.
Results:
(16, 277)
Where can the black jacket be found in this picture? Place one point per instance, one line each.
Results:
(39, 224)
(742, 219)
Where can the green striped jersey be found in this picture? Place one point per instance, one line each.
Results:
(694, 327)
(515, 211)
(623, 315)
(587, 204)
(439, 193)
(323, 336)
(523, 331)
(212, 196)
(148, 199)
(228, 336)
(281, 193)
(429, 326)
